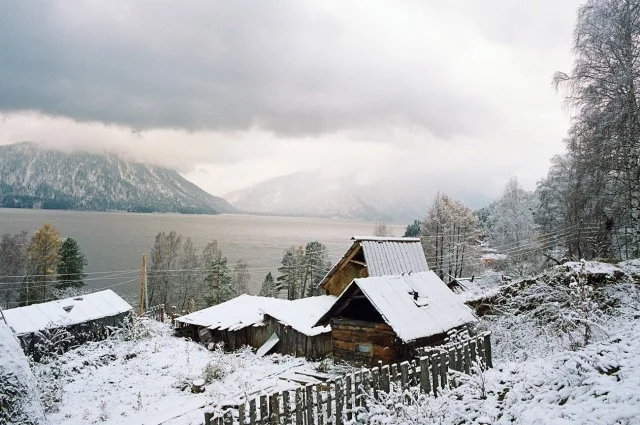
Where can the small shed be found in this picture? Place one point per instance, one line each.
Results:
(371, 256)
(85, 317)
(385, 318)
(251, 320)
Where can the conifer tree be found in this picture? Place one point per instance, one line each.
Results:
(268, 288)
(219, 281)
(70, 267)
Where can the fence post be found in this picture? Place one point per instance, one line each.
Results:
(299, 406)
(207, 418)
(319, 409)
(444, 369)
(330, 419)
(348, 394)
(241, 417)
(375, 381)
(467, 362)
(473, 351)
(339, 402)
(394, 373)
(287, 407)
(227, 418)
(425, 385)
(252, 411)
(480, 343)
(309, 399)
(404, 374)
(459, 357)
(487, 349)
(162, 313)
(384, 377)
(434, 361)
(264, 410)
(358, 387)
(274, 405)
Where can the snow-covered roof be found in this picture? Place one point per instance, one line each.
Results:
(386, 256)
(436, 309)
(65, 312)
(303, 314)
(249, 310)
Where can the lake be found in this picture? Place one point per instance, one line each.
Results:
(113, 242)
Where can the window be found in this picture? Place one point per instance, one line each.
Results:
(363, 349)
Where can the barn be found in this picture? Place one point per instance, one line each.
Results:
(371, 256)
(252, 320)
(85, 317)
(385, 318)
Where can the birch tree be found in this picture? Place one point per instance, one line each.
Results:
(449, 237)
(602, 88)
(42, 263)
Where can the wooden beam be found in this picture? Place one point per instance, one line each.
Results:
(360, 263)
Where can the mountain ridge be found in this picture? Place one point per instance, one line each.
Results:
(34, 177)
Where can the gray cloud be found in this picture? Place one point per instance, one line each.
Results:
(288, 67)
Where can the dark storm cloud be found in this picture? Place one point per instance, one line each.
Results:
(292, 68)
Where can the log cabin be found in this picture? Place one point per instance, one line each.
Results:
(385, 318)
(371, 256)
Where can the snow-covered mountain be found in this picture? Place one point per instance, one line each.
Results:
(317, 194)
(31, 177)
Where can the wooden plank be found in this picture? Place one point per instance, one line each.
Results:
(425, 384)
(241, 414)
(473, 351)
(385, 379)
(434, 361)
(481, 356)
(227, 418)
(330, 392)
(444, 369)
(207, 418)
(299, 407)
(274, 403)
(339, 402)
(357, 388)
(375, 381)
(348, 390)
(319, 405)
(459, 359)
(286, 404)
(467, 360)
(252, 411)
(394, 373)
(487, 350)
(404, 374)
(264, 410)
(308, 390)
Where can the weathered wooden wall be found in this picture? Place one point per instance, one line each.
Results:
(346, 334)
(343, 277)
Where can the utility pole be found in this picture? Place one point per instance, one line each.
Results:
(143, 286)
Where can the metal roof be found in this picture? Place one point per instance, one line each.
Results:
(386, 256)
(65, 312)
(416, 306)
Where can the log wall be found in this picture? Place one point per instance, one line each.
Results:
(347, 334)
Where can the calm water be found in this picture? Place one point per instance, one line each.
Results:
(113, 242)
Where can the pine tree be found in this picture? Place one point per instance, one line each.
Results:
(316, 265)
(412, 230)
(241, 277)
(70, 267)
(268, 288)
(219, 281)
(290, 278)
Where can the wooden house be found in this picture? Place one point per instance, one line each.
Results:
(371, 256)
(385, 318)
(84, 317)
(252, 320)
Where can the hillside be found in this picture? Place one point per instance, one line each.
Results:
(31, 177)
(317, 194)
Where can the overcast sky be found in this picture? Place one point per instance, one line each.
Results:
(234, 92)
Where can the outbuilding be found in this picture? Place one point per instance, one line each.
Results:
(386, 318)
(84, 317)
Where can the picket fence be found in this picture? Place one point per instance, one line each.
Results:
(157, 312)
(336, 401)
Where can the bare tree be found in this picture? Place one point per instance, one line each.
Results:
(165, 256)
(382, 229)
(241, 277)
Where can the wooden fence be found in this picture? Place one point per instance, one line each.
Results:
(157, 312)
(336, 401)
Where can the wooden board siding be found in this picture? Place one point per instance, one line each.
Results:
(347, 334)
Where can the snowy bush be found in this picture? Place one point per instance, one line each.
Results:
(133, 328)
(219, 366)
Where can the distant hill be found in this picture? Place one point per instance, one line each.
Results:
(314, 194)
(31, 177)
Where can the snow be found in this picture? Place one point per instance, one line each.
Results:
(65, 312)
(384, 239)
(439, 309)
(249, 310)
(18, 393)
(139, 382)
(593, 267)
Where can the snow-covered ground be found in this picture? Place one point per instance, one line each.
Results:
(146, 381)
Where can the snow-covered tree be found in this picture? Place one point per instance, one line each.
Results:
(241, 277)
(42, 263)
(13, 267)
(291, 272)
(449, 238)
(165, 256)
(188, 284)
(268, 288)
(512, 230)
(219, 281)
(302, 270)
(603, 88)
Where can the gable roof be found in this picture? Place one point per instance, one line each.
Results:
(249, 310)
(385, 256)
(436, 309)
(65, 312)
